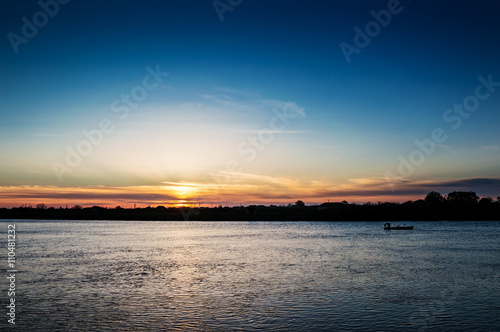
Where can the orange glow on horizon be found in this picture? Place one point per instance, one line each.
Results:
(246, 189)
(186, 195)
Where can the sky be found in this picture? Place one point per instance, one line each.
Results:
(238, 102)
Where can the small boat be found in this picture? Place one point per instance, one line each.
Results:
(388, 227)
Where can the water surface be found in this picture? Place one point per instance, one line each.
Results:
(274, 276)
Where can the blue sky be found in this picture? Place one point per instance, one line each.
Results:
(226, 81)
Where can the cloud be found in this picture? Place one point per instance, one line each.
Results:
(243, 188)
(234, 91)
(51, 135)
(368, 188)
(492, 148)
(190, 105)
(253, 131)
(286, 106)
(226, 101)
(52, 195)
(463, 184)
(236, 102)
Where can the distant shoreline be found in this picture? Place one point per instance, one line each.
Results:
(243, 221)
(415, 211)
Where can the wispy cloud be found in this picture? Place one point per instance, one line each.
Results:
(235, 91)
(49, 135)
(493, 148)
(462, 184)
(86, 196)
(253, 131)
(190, 105)
(248, 101)
(227, 101)
(286, 106)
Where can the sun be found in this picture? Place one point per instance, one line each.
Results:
(184, 204)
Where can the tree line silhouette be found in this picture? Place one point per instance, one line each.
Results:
(457, 205)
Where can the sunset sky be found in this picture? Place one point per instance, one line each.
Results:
(259, 102)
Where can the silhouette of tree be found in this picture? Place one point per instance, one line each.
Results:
(486, 200)
(434, 197)
(300, 203)
(463, 197)
(41, 206)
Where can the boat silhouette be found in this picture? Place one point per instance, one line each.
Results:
(388, 227)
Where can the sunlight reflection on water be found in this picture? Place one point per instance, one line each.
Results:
(226, 276)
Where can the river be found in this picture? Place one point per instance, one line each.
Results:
(247, 276)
